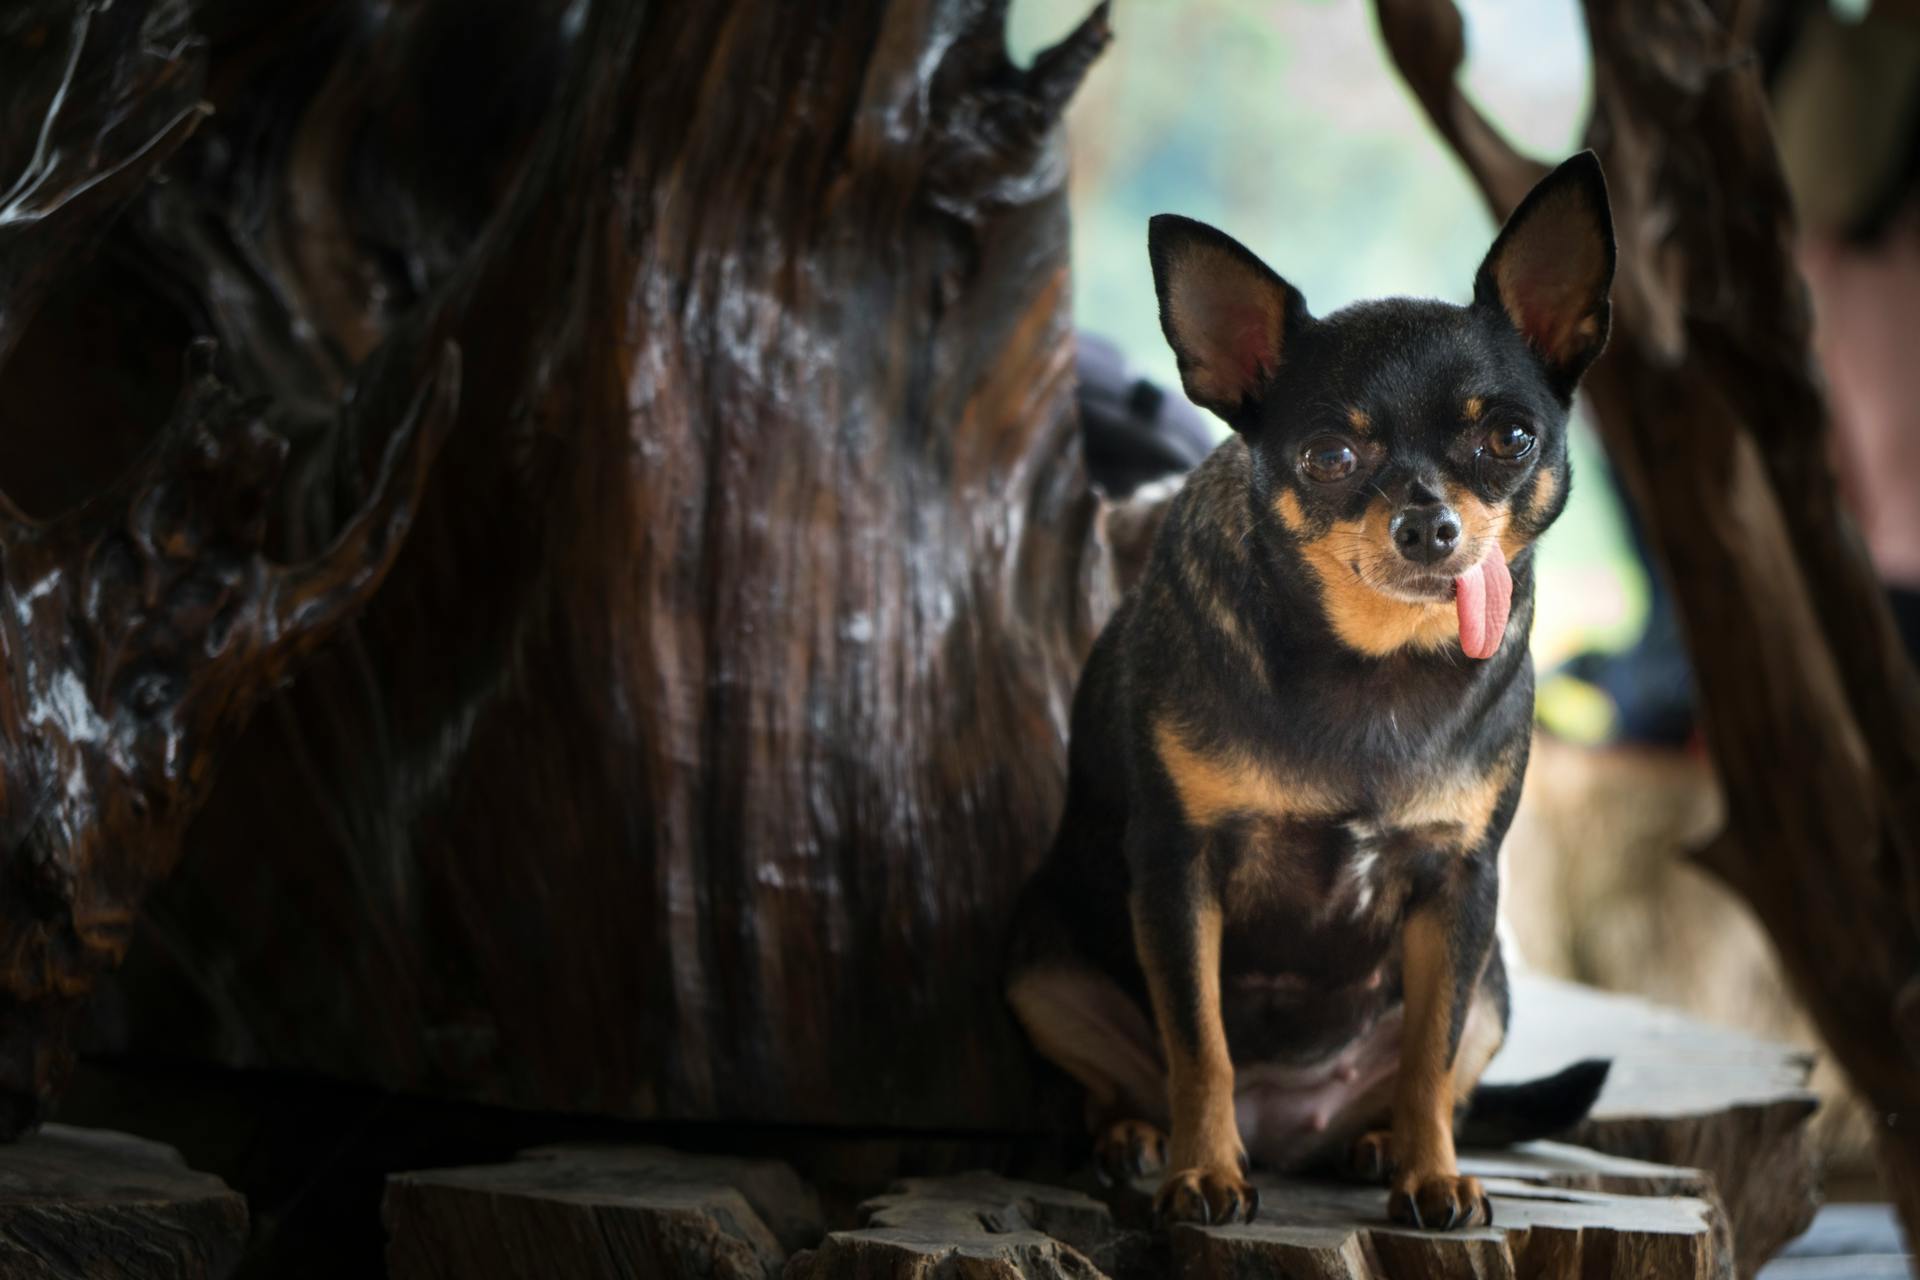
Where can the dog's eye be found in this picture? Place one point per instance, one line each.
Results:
(1510, 441)
(1328, 459)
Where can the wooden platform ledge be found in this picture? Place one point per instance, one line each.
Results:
(1734, 1106)
(89, 1204)
(1561, 1212)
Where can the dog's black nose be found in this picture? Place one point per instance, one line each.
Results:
(1426, 533)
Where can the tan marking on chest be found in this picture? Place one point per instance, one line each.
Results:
(1215, 785)
(1462, 804)
(1266, 866)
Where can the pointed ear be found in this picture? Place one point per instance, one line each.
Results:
(1227, 317)
(1551, 267)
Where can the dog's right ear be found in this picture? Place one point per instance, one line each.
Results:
(1226, 315)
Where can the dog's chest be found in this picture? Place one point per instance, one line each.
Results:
(1313, 900)
(1325, 850)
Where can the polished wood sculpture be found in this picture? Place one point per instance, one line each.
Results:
(714, 711)
(140, 629)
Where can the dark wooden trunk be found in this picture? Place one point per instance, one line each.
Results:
(713, 713)
(140, 622)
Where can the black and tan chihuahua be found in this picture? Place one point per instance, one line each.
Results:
(1266, 925)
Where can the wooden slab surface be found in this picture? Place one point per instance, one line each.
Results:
(91, 1204)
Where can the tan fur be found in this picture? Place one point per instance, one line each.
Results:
(1473, 408)
(1424, 1094)
(1359, 421)
(1545, 485)
(1361, 617)
(1220, 613)
(1210, 787)
(1288, 507)
(1461, 803)
(1229, 625)
(1266, 870)
(1205, 1133)
(1481, 524)
(1082, 1022)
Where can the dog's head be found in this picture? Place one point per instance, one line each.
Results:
(1407, 450)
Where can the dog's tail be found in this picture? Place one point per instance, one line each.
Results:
(1499, 1115)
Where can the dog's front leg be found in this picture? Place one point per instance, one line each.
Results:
(1447, 939)
(1177, 923)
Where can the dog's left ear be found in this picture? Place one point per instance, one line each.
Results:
(1551, 267)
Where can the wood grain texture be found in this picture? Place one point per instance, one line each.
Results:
(90, 1204)
(1682, 1093)
(691, 758)
(141, 622)
(588, 1211)
(1553, 1221)
(1710, 404)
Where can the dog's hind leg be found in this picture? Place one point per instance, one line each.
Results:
(1085, 1024)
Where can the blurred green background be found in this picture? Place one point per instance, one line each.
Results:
(1284, 123)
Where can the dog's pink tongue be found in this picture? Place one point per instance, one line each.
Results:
(1483, 594)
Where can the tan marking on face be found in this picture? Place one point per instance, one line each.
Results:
(1359, 421)
(1513, 538)
(1423, 1092)
(1213, 786)
(1545, 486)
(1200, 1076)
(1361, 617)
(1462, 804)
(1481, 523)
(1289, 509)
(1472, 409)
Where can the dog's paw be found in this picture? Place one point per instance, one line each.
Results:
(1211, 1197)
(1128, 1149)
(1438, 1201)
(1370, 1158)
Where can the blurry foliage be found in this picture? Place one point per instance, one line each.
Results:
(1282, 122)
